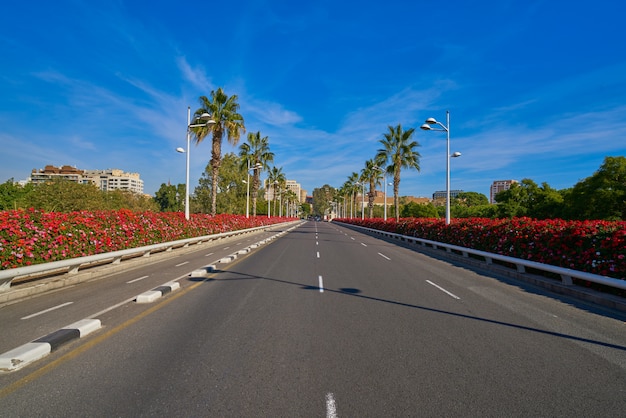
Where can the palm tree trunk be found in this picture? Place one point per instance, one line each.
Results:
(215, 165)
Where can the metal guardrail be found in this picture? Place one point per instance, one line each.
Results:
(565, 274)
(73, 265)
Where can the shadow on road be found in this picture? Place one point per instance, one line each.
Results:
(352, 292)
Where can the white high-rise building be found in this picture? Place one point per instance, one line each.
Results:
(499, 186)
(111, 179)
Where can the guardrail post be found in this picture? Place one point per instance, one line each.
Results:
(566, 280)
(520, 268)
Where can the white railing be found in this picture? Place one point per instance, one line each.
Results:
(73, 265)
(520, 264)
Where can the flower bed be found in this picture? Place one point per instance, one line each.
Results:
(33, 236)
(597, 247)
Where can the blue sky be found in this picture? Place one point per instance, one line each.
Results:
(535, 89)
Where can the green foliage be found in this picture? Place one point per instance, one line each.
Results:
(398, 151)
(417, 210)
(170, 198)
(12, 195)
(322, 198)
(601, 196)
(65, 196)
(255, 156)
(232, 191)
(228, 122)
(469, 199)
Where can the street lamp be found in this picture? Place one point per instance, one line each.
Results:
(358, 183)
(256, 167)
(206, 119)
(385, 181)
(428, 127)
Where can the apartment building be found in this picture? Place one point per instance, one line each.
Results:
(111, 179)
(499, 186)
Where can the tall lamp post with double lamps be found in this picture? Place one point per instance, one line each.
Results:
(385, 194)
(256, 167)
(428, 127)
(202, 120)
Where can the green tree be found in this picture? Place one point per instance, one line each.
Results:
(602, 195)
(224, 111)
(125, 199)
(65, 196)
(321, 199)
(256, 155)
(372, 175)
(231, 197)
(13, 195)
(352, 187)
(398, 152)
(170, 198)
(417, 210)
(276, 180)
(469, 199)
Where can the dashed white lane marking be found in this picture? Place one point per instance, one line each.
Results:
(182, 264)
(364, 244)
(318, 254)
(443, 290)
(384, 256)
(47, 310)
(137, 279)
(321, 284)
(331, 406)
(209, 254)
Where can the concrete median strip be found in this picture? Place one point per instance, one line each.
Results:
(41, 347)
(154, 294)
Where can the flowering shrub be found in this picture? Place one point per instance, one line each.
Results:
(33, 236)
(597, 247)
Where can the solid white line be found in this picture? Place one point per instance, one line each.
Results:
(331, 407)
(137, 279)
(182, 264)
(384, 256)
(321, 284)
(47, 310)
(443, 290)
(365, 245)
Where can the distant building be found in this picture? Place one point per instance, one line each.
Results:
(107, 180)
(272, 192)
(499, 186)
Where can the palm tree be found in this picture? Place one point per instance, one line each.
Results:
(275, 179)
(399, 152)
(256, 154)
(371, 174)
(352, 187)
(223, 110)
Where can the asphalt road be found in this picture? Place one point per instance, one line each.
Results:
(326, 321)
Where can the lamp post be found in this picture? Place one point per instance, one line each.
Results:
(385, 193)
(207, 121)
(428, 127)
(256, 167)
(390, 184)
(362, 198)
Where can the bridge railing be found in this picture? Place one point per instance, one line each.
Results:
(74, 265)
(521, 265)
